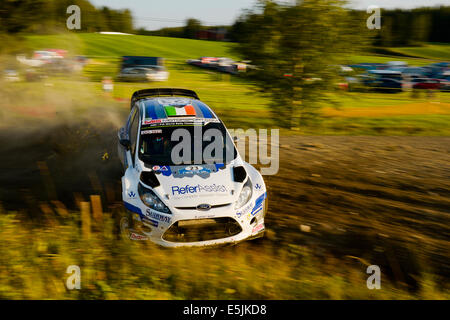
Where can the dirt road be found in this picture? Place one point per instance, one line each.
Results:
(384, 200)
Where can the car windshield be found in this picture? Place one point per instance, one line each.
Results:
(156, 145)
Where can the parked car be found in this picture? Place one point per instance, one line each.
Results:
(155, 73)
(386, 80)
(426, 83)
(444, 80)
(208, 201)
(369, 66)
(224, 64)
(397, 64)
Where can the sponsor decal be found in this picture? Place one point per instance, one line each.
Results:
(151, 131)
(258, 204)
(151, 222)
(158, 216)
(213, 188)
(190, 171)
(203, 171)
(244, 210)
(165, 170)
(204, 217)
(260, 227)
(137, 236)
(131, 194)
(176, 122)
(257, 186)
(151, 122)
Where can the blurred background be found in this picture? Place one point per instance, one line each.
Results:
(364, 116)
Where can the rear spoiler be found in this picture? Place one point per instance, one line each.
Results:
(162, 92)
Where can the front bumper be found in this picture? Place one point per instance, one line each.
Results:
(179, 231)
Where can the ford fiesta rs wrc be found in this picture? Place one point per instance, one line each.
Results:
(184, 182)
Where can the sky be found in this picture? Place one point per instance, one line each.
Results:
(156, 14)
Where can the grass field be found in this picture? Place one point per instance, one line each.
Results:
(428, 51)
(236, 99)
(98, 45)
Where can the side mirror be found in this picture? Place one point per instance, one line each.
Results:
(126, 143)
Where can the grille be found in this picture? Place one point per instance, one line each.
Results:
(202, 230)
(212, 207)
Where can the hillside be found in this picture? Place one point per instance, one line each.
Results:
(99, 45)
(427, 51)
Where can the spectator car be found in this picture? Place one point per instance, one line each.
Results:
(135, 74)
(425, 83)
(386, 80)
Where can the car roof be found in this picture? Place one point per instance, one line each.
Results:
(163, 111)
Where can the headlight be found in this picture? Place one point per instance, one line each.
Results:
(246, 194)
(150, 199)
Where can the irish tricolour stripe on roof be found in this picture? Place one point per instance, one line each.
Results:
(180, 111)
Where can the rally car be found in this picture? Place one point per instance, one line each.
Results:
(184, 182)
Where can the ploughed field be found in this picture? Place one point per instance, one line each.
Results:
(358, 200)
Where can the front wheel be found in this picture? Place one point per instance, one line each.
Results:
(122, 223)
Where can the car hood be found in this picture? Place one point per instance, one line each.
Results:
(191, 185)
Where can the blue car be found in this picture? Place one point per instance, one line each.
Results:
(383, 80)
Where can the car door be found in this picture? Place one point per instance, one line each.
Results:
(124, 134)
(131, 174)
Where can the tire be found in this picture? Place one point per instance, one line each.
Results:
(122, 224)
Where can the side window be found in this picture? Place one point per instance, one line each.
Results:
(133, 134)
(131, 118)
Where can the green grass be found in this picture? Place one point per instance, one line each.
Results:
(379, 58)
(98, 45)
(34, 260)
(436, 51)
(114, 46)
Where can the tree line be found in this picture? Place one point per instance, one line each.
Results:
(49, 16)
(398, 27)
(412, 27)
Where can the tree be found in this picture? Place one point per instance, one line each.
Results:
(193, 26)
(296, 49)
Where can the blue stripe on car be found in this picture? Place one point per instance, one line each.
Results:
(132, 208)
(257, 210)
(258, 203)
(260, 199)
(150, 111)
(160, 111)
(204, 109)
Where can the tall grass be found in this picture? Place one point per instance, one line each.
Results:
(35, 254)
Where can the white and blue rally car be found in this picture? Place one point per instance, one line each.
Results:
(200, 202)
